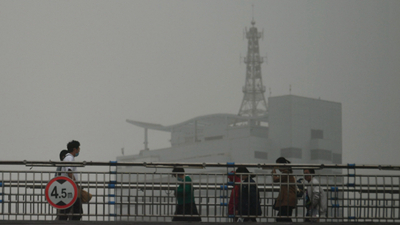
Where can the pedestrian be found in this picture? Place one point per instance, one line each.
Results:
(249, 197)
(316, 199)
(233, 205)
(73, 148)
(287, 198)
(186, 206)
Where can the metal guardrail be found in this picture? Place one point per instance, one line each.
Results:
(144, 192)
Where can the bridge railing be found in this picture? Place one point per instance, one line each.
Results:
(147, 191)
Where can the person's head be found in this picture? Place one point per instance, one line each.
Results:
(308, 174)
(62, 154)
(178, 172)
(283, 160)
(242, 172)
(74, 148)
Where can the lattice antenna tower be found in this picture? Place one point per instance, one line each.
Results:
(253, 104)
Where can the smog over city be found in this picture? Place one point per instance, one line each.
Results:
(80, 69)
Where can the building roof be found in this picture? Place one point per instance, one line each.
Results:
(199, 121)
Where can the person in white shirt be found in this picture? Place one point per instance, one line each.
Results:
(316, 199)
(70, 171)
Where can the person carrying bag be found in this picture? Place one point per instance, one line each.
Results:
(84, 195)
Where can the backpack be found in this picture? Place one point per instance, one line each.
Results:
(299, 188)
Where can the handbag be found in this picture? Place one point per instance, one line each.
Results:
(84, 195)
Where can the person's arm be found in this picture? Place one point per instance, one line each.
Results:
(279, 178)
(71, 175)
(275, 177)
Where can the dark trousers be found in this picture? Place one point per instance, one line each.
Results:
(284, 211)
(249, 220)
(75, 208)
(188, 212)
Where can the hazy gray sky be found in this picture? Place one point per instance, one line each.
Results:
(79, 69)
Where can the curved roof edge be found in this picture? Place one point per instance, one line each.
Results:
(200, 120)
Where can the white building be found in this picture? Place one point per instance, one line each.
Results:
(303, 130)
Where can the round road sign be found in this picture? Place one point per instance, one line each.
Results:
(61, 192)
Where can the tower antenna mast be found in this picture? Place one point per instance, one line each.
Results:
(253, 104)
(252, 13)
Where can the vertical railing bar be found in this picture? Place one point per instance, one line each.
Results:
(33, 211)
(376, 199)
(356, 200)
(264, 201)
(368, 198)
(200, 194)
(207, 200)
(137, 197)
(169, 208)
(17, 195)
(398, 200)
(348, 197)
(159, 207)
(96, 196)
(152, 197)
(342, 205)
(24, 197)
(41, 196)
(42, 208)
(104, 195)
(391, 204)
(155, 201)
(2, 194)
(216, 191)
(358, 206)
(90, 179)
(144, 198)
(226, 195)
(128, 210)
(10, 198)
(8, 204)
(384, 200)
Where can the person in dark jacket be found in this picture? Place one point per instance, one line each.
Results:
(186, 206)
(287, 198)
(249, 197)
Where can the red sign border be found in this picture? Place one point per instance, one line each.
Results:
(46, 192)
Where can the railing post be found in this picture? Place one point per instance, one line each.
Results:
(111, 190)
(351, 182)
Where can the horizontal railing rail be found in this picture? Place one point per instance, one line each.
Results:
(200, 165)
